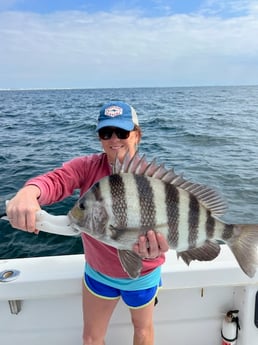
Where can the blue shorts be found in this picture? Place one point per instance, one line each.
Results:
(133, 299)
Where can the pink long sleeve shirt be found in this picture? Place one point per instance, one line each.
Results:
(81, 173)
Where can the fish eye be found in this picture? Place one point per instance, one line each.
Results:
(81, 206)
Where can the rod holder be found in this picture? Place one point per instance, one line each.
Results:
(7, 276)
(15, 306)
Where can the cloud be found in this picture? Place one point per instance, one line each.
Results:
(229, 8)
(8, 4)
(77, 49)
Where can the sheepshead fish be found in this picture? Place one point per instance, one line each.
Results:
(139, 196)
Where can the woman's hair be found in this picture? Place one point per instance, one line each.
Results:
(138, 129)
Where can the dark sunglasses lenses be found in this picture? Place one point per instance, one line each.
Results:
(107, 132)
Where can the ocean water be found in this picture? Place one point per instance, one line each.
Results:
(207, 133)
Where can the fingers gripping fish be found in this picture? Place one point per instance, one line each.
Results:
(140, 196)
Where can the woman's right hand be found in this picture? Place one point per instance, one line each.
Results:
(21, 209)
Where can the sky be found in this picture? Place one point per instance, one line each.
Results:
(132, 43)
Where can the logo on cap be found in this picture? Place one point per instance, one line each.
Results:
(113, 111)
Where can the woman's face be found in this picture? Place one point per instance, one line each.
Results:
(115, 147)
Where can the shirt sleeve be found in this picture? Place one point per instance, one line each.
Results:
(61, 182)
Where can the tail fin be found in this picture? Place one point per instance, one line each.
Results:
(244, 245)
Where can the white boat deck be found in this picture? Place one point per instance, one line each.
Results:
(191, 304)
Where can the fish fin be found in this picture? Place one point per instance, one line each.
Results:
(244, 245)
(207, 196)
(207, 252)
(138, 165)
(118, 231)
(131, 262)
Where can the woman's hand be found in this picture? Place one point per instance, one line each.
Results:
(21, 209)
(151, 246)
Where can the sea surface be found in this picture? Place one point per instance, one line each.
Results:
(207, 133)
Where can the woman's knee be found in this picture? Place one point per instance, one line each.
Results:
(144, 334)
(92, 340)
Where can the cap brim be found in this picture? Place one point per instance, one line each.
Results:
(114, 122)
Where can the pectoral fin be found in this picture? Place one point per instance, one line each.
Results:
(117, 232)
(131, 262)
(207, 252)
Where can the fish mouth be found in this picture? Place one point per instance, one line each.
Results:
(76, 216)
(73, 223)
(76, 228)
(78, 225)
(70, 216)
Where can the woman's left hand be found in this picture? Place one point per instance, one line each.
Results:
(151, 246)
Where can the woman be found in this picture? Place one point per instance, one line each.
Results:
(105, 280)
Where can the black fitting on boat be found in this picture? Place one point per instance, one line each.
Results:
(256, 310)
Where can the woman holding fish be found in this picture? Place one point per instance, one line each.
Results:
(106, 276)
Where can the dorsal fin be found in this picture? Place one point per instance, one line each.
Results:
(207, 196)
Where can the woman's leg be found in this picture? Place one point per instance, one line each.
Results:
(96, 315)
(142, 320)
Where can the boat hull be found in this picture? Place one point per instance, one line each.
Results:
(42, 304)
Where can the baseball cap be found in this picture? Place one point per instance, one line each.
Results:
(117, 114)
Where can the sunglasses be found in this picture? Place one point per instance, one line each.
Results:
(106, 133)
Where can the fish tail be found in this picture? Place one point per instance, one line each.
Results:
(244, 245)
